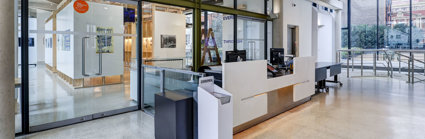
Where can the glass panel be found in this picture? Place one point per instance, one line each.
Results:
(256, 6)
(18, 92)
(251, 38)
(418, 20)
(150, 88)
(394, 21)
(167, 44)
(224, 3)
(181, 83)
(269, 37)
(269, 7)
(84, 58)
(364, 28)
(217, 32)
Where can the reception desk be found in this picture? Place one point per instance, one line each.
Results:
(258, 98)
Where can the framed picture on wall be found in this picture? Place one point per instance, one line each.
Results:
(104, 41)
(168, 41)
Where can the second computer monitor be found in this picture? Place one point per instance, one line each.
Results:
(233, 56)
(277, 56)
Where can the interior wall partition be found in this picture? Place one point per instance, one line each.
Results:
(87, 69)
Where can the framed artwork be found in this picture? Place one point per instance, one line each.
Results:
(104, 41)
(66, 46)
(168, 41)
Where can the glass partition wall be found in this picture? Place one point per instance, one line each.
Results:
(82, 61)
(88, 59)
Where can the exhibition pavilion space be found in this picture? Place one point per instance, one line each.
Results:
(212, 69)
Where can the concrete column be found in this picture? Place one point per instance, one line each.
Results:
(7, 80)
(338, 33)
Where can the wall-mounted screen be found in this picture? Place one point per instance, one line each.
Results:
(129, 15)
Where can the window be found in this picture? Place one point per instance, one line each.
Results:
(256, 6)
(224, 3)
(251, 38)
(217, 32)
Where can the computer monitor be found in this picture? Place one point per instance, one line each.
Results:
(277, 56)
(233, 56)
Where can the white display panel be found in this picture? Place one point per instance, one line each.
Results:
(48, 44)
(163, 26)
(76, 26)
(65, 23)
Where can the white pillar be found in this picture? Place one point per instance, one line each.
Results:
(338, 33)
(7, 80)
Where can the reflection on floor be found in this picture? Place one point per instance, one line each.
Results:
(362, 108)
(51, 99)
(135, 125)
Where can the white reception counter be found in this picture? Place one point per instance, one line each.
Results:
(257, 98)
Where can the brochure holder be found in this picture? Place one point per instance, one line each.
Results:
(215, 111)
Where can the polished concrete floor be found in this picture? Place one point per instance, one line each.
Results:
(135, 125)
(51, 99)
(363, 108)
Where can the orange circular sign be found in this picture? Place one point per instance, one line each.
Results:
(81, 6)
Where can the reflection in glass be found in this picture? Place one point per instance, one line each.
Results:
(224, 3)
(217, 32)
(84, 63)
(159, 33)
(256, 6)
(251, 38)
(166, 45)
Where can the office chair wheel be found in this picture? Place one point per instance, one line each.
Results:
(327, 89)
(340, 84)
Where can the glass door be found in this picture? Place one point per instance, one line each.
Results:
(84, 61)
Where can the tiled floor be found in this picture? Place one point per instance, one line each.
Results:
(363, 108)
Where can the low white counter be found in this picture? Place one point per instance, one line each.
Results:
(256, 96)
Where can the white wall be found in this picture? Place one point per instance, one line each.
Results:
(41, 20)
(65, 59)
(48, 52)
(301, 16)
(169, 24)
(325, 43)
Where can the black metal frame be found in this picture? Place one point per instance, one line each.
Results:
(24, 67)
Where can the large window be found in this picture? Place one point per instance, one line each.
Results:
(251, 37)
(363, 24)
(380, 24)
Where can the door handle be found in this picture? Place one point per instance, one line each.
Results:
(84, 56)
(100, 64)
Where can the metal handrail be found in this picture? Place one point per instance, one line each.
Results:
(175, 70)
(388, 58)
